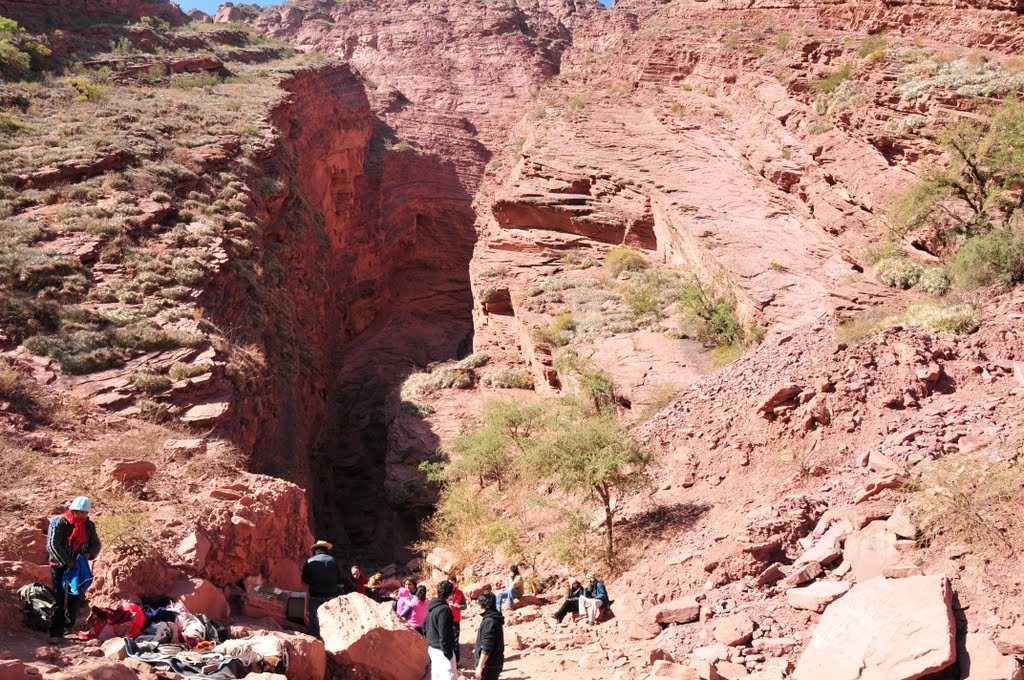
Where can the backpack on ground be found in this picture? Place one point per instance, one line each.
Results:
(39, 605)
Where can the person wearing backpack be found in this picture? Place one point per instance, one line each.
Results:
(70, 535)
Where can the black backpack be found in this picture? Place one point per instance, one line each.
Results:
(39, 604)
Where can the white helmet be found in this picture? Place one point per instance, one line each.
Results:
(81, 503)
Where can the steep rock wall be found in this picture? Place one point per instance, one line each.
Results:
(38, 15)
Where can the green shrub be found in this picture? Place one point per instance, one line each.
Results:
(782, 41)
(872, 254)
(647, 292)
(87, 89)
(150, 382)
(182, 371)
(996, 257)
(10, 125)
(871, 45)
(829, 82)
(196, 80)
(710, 314)
(623, 259)
(512, 378)
(959, 318)
(934, 281)
(148, 337)
(898, 272)
(475, 360)
(14, 64)
(595, 384)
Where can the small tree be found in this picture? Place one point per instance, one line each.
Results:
(592, 454)
(489, 452)
(980, 188)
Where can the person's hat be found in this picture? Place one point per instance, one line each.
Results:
(321, 544)
(592, 576)
(81, 503)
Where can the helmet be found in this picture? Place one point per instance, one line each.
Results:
(81, 503)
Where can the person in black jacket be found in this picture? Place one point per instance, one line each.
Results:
(490, 640)
(440, 632)
(70, 535)
(322, 574)
(572, 599)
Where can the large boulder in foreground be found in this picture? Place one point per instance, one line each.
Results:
(884, 629)
(357, 630)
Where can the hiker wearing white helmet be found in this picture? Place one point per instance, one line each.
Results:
(71, 534)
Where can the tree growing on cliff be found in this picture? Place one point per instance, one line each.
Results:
(981, 186)
(490, 451)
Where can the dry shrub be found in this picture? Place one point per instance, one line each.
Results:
(141, 441)
(968, 501)
(25, 396)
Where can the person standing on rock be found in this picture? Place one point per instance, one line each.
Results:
(439, 629)
(70, 535)
(457, 602)
(322, 574)
(594, 597)
(490, 640)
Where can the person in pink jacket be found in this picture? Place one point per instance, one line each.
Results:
(415, 611)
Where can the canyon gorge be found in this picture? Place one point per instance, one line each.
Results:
(260, 269)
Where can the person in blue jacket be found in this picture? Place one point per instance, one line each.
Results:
(594, 597)
(70, 535)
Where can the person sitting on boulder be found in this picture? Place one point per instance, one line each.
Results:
(594, 597)
(373, 587)
(513, 588)
(404, 594)
(358, 580)
(70, 535)
(490, 640)
(323, 575)
(415, 612)
(439, 631)
(572, 600)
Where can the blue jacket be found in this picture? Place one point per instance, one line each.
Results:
(597, 592)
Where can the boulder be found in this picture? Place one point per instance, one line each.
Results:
(980, 659)
(357, 630)
(473, 590)
(734, 630)
(286, 575)
(13, 669)
(202, 597)
(114, 649)
(731, 671)
(126, 473)
(1011, 641)
(870, 550)
(442, 560)
(193, 549)
(900, 523)
(667, 669)
(816, 596)
(884, 629)
(682, 610)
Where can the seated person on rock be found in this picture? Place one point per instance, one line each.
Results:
(594, 597)
(373, 587)
(415, 612)
(358, 580)
(572, 599)
(513, 588)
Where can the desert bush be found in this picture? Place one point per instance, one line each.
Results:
(647, 292)
(148, 337)
(193, 80)
(448, 375)
(246, 366)
(873, 253)
(475, 360)
(871, 44)
(710, 313)
(831, 81)
(150, 382)
(623, 259)
(934, 281)
(182, 371)
(967, 501)
(819, 128)
(9, 125)
(22, 394)
(559, 333)
(88, 90)
(978, 190)
(124, 532)
(18, 466)
(512, 378)
(985, 259)
(898, 272)
(960, 318)
(595, 384)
